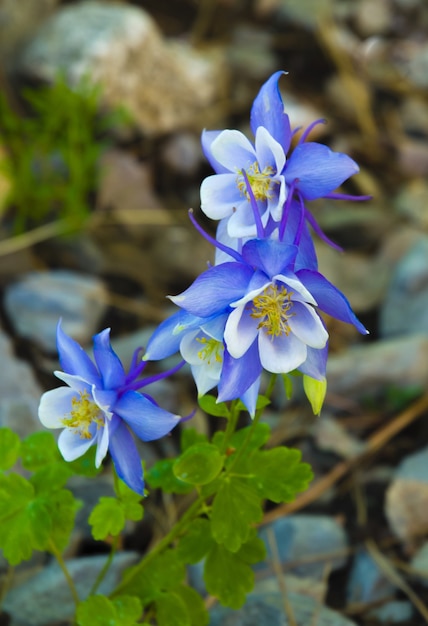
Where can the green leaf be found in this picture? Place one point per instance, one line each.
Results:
(85, 465)
(315, 391)
(100, 611)
(62, 507)
(280, 474)
(260, 435)
(171, 610)
(235, 508)
(10, 445)
(196, 542)
(194, 604)
(38, 450)
(261, 403)
(25, 521)
(227, 577)
(190, 436)
(107, 518)
(199, 464)
(161, 476)
(130, 501)
(253, 550)
(165, 572)
(209, 405)
(51, 477)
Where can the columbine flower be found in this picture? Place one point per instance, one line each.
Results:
(269, 313)
(311, 171)
(99, 405)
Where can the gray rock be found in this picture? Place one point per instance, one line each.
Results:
(394, 612)
(300, 536)
(412, 202)
(163, 85)
(368, 368)
(46, 597)
(19, 392)
(268, 610)
(367, 582)
(413, 467)
(36, 303)
(420, 562)
(405, 309)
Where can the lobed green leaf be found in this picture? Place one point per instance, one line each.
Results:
(10, 445)
(100, 611)
(199, 465)
(209, 404)
(196, 542)
(227, 577)
(161, 476)
(280, 474)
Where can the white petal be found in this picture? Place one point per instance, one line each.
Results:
(282, 354)
(220, 195)
(203, 378)
(72, 446)
(307, 326)
(233, 150)
(300, 293)
(190, 348)
(269, 151)
(240, 332)
(75, 382)
(102, 444)
(55, 405)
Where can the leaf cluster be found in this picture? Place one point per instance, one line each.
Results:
(52, 152)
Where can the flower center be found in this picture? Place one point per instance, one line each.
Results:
(82, 415)
(272, 308)
(212, 350)
(260, 181)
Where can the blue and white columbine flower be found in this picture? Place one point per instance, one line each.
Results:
(101, 404)
(311, 171)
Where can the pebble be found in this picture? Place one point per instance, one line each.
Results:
(412, 201)
(420, 562)
(36, 303)
(164, 85)
(19, 392)
(367, 582)
(45, 598)
(268, 610)
(408, 287)
(300, 537)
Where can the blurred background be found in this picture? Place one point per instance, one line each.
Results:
(101, 109)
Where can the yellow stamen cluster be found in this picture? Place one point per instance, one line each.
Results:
(260, 182)
(82, 415)
(212, 349)
(272, 308)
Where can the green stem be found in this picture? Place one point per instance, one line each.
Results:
(192, 511)
(251, 430)
(57, 554)
(231, 425)
(106, 566)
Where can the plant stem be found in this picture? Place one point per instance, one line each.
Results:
(106, 566)
(231, 425)
(57, 554)
(192, 511)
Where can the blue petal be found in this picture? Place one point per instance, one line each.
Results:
(207, 138)
(147, 420)
(74, 359)
(213, 291)
(306, 256)
(271, 256)
(315, 364)
(109, 365)
(126, 458)
(249, 398)
(268, 111)
(238, 375)
(166, 339)
(318, 169)
(329, 298)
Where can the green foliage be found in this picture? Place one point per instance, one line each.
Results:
(52, 154)
(190, 436)
(235, 507)
(227, 576)
(199, 464)
(210, 405)
(39, 450)
(280, 474)
(195, 544)
(10, 445)
(100, 611)
(109, 515)
(164, 573)
(161, 476)
(31, 520)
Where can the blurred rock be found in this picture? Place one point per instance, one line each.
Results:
(413, 157)
(18, 20)
(367, 582)
(368, 368)
(46, 598)
(36, 303)
(331, 436)
(406, 506)
(414, 115)
(420, 563)
(373, 18)
(412, 203)
(19, 392)
(394, 612)
(126, 184)
(250, 52)
(163, 85)
(182, 153)
(300, 537)
(409, 285)
(268, 610)
(411, 59)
